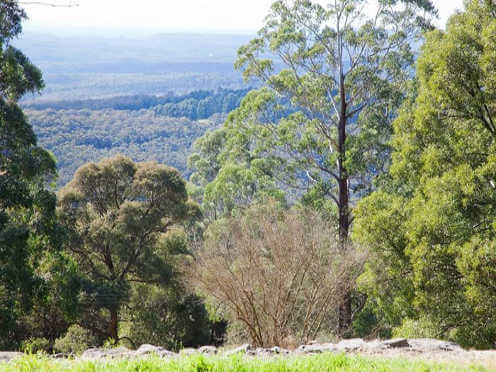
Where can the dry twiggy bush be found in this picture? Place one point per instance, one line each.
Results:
(280, 274)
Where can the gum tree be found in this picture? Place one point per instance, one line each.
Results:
(117, 213)
(344, 69)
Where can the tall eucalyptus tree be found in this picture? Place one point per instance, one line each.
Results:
(345, 67)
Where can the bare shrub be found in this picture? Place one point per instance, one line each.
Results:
(280, 274)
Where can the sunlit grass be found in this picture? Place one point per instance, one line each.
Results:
(199, 363)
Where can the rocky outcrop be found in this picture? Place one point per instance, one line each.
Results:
(430, 345)
(403, 346)
(122, 352)
(110, 353)
(264, 352)
(394, 343)
(353, 345)
(316, 348)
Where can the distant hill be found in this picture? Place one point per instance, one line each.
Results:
(51, 51)
(91, 67)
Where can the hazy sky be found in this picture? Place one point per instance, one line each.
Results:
(240, 16)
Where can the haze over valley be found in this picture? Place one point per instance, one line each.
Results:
(146, 97)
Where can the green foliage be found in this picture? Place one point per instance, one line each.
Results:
(77, 137)
(11, 15)
(168, 317)
(35, 345)
(416, 328)
(333, 77)
(76, 340)
(195, 105)
(229, 174)
(432, 224)
(29, 233)
(57, 304)
(369, 322)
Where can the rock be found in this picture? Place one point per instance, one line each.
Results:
(122, 352)
(347, 346)
(278, 350)
(99, 353)
(353, 344)
(380, 347)
(166, 354)
(432, 345)
(147, 349)
(316, 348)
(254, 352)
(240, 349)
(7, 356)
(264, 352)
(188, 351)
(209, 350)
(395, 343)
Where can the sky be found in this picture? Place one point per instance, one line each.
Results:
(146, 16)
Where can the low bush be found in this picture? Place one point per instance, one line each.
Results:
(76, 340)
(281, 275)
(35, 345)
(417, 328)
(169, 318)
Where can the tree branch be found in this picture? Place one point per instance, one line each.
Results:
(48, 4)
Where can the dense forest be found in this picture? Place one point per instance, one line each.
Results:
(142, 127)
(347, 190)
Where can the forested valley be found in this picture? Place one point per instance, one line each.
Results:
(332, 177)
(141, 127)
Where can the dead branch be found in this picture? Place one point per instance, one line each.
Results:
(53, 5)
(281, 277)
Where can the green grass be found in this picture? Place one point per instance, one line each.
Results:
(318, 363)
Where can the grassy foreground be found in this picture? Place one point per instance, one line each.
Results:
(318, 363)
